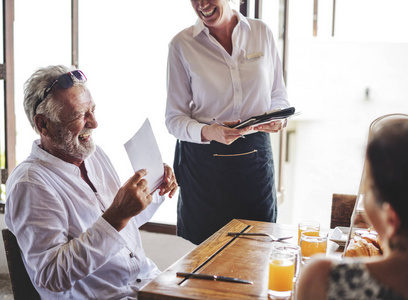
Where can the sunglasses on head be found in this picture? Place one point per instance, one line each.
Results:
(65, 81)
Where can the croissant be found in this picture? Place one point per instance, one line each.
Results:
(374, 240)
(362, 247)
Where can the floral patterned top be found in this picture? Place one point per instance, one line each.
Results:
(352, 280)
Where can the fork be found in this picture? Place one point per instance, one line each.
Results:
(274, 239)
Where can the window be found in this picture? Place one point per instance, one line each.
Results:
(340, 83)
(42, 38)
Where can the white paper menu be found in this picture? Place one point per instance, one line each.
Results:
(144, 153)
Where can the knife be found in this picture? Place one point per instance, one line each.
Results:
(213, 277)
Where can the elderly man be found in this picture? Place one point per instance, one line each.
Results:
(76, 226)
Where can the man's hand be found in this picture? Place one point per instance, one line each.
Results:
(132, 198)
(169, 184)
(222, 134)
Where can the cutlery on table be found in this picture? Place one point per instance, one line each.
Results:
(213, 277)
(274, 239)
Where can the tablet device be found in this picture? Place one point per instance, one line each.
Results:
(266, 117)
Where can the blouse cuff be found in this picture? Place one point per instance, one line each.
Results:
(196, 133)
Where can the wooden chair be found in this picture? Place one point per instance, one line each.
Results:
(342, 209)
(21, 284)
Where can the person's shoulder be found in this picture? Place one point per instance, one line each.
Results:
(257, 24)
(313, 278)
(258, 28)
(319, 266)
(183, 35)
(25, 171)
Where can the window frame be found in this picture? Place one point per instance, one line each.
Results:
(7, 75)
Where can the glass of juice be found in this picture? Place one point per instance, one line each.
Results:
(295, 249)
(311, 243)
(282, 264)
(307, 225)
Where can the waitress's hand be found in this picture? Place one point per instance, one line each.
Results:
(222, 134)
(274, 126)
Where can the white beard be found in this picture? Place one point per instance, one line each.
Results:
(70, 144)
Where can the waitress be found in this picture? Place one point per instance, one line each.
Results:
(221, 70)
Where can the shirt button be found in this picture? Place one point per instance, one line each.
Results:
(131, 254)
(138, 280)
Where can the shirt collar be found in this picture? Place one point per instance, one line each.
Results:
(199, 25)
(43, 155)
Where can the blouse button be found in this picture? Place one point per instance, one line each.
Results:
(138, 280)
(131, 254)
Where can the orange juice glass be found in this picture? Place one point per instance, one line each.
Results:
(311, 243)
(292, 248)
(307, 225)
(281, 274)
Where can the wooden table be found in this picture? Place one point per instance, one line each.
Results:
(222, 255)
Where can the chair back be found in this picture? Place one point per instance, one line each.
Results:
(21, 284)
(342, 209)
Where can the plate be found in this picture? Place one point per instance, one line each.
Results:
(339, 235)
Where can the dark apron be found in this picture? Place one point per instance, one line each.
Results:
(219, 183)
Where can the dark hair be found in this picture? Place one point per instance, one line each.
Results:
(387, 154)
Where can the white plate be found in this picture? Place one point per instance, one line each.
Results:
(339, 235)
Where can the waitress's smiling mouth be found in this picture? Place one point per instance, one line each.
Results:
(207, 14)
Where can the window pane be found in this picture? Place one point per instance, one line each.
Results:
(271, 15)
(42, 37)
(372, 20)
(123, 52)
(300, 18)
(340, 85)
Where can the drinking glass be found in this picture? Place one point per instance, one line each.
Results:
(282, 266)
(295, 249)
(307, 225)
(311, 243)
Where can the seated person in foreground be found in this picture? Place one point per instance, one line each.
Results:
(76, 226)
(386, 207)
